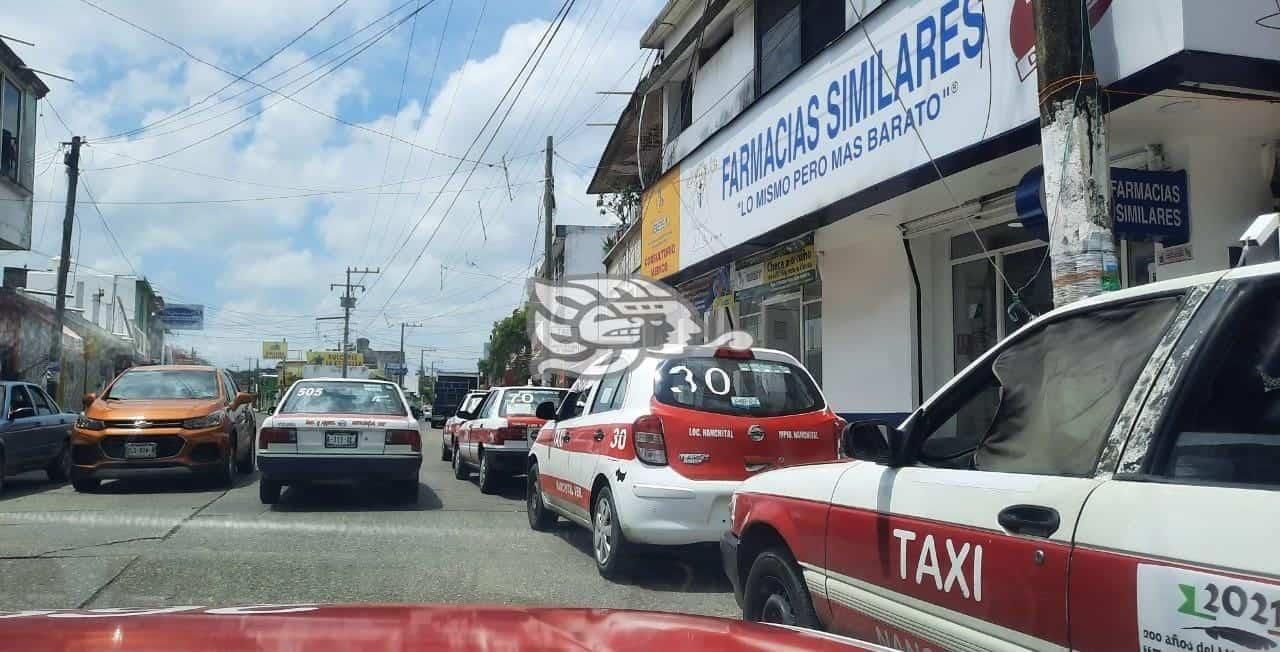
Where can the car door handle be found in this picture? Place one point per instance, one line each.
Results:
(1031, 520)
(599, 436)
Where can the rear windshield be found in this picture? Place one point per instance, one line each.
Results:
(344, 398)
(175, 384)
(760, 388)
(524, 402)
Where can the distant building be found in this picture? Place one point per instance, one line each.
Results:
(578, 249)
(123, 305)
(19, 90)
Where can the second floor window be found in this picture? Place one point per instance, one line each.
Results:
(10, 120)
(790, 32)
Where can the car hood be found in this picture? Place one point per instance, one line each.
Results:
(388, 627)
(160, 410)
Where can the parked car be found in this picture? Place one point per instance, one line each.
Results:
(164, 421)
(651, 455)
(496, 439)
(34, 432)
(340, 429)
(1104, 478)
(450, 429)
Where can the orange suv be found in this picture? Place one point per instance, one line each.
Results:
(164, 421)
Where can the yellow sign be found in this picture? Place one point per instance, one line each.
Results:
(660, 227)
(274, 350)
(334, 358)
(790, 265)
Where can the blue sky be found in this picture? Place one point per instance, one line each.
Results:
(263, 267)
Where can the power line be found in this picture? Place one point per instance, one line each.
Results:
(240, 200)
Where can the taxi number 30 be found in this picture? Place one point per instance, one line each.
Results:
(619, 439)
(715, 379)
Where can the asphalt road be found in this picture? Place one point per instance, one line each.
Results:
(154, 543)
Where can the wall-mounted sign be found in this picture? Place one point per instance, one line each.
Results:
(334, 358)
(660, 227)
(275, 350)
(788, 265)
(1150, 205)
(183, 316)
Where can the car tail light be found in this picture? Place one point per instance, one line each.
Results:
(511, 433)
(405, 438)
(840, 426)
(276, 436)
(735, 354)
(651, 446)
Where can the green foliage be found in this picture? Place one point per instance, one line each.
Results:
(508, 350)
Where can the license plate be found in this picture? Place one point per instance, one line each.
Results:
(139, 450)
(341, 439)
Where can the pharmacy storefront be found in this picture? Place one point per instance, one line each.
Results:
(823, 207)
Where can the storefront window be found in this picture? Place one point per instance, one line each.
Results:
(1140, 263)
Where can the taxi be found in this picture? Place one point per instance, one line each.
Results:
(652, 454)
(346, 429)
(450, 430)
(1103, 479)
(495, 437)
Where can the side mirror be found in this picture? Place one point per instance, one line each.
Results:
(415, 411)
(242, 398)
(22, 413)
(88, 399)
(546, 411)
(873, 441)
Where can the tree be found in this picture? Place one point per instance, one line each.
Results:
(509, 350)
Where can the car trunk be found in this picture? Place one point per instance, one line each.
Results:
(331, 434)
(707, 446)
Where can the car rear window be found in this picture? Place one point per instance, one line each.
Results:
(761, 388)
(175, 384)
(524, 402)
(344, 398)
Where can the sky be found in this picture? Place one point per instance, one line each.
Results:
(320, 195)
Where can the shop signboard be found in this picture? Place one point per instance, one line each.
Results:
(660, 216)
(1150, 205)
(786, 266)
(276, 350)
(334, 358)
(183, 316)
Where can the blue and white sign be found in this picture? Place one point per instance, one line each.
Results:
(1150, 205)
(395, 367)
(183, 316)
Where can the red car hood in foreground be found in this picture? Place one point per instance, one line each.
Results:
(370, 628)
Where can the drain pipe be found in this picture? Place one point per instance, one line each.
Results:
(915, 277)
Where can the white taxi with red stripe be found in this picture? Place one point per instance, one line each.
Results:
(1104, 479)
(340, 429)
(651, 455)
(494, 438)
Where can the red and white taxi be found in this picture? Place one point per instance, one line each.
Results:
(1104, 479)
(652, 454)
(496, 438)
(450, 430)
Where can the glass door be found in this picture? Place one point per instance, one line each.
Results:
(782, 327)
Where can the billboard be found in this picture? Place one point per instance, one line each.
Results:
(183, 316)
(275, 350)
(334, 358)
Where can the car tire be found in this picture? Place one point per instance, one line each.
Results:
(269, 491)
(608, 544)
(84, 485)
(59, 469)
(246, 464)
(541, 518)
(775, 592)
(225, 475)
(1, 472)
(445, 453)
(460, 471)
(489, 478)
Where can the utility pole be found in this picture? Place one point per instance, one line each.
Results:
(1073, 142)
(72, 161)
(548, 207)
(348, 302)
(404, 362)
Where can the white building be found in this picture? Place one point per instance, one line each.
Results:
(19, 90)
(790, 153)
(124, 305)
(579, 249)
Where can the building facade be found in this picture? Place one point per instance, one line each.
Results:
(19, 90)
(857, 183)
(124, 305)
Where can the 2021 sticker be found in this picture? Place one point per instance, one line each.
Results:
(1181, 609)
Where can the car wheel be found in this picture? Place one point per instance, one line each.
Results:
(489, 478)
(459, 467)
(59, 468)
(775, 592)
(1, 472)
(607, 542)
(540, 518)
(84, 485)
(269, 491)
(445, 455)
(245, 465)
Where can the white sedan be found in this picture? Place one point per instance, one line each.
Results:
(340, 429)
